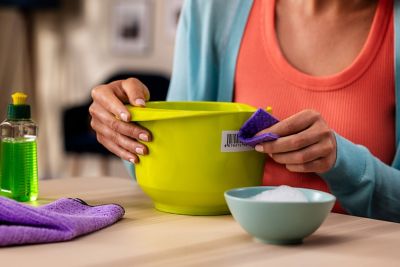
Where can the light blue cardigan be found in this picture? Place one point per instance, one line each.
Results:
(207, 45)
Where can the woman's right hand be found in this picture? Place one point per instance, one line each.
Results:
(111, 119)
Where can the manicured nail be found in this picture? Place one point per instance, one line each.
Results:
(144, 137)
(133, 161)
(140, 102)
(139, 150)
(259, 148)
(123, 116)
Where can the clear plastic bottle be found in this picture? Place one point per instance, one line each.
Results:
(18, 152)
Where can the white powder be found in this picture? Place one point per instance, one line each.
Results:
(282, 193)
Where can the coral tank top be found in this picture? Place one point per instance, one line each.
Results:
(358, 103)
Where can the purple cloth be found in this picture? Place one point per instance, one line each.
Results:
(259, 121)
(60, 220)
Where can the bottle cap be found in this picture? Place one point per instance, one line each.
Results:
(18, 110)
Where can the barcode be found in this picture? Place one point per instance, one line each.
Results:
(230, 142)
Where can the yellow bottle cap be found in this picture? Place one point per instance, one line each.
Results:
(268, 109)
(18, 110)
(19, 98)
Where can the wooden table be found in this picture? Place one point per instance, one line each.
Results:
(146, 237)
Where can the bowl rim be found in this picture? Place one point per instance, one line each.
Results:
(227, 194)
(164, 110)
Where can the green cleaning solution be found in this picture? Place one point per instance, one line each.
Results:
(18, 152)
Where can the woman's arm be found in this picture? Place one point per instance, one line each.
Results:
(364, 185)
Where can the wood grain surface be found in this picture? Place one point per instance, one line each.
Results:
(146, 237)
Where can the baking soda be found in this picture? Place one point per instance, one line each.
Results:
(282, 193)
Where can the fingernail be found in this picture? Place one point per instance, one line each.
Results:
(144, 137)
(140, 102)
(123, 116)
(259, 148)
(133, 161)
(139, 150)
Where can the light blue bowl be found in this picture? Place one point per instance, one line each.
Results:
(279, 222)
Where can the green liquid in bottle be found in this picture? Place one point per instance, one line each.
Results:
(18, 168)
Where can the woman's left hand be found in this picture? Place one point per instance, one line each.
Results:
(306, 143)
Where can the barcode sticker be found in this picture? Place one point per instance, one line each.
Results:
(230, 142)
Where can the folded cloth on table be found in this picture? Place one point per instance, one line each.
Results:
(259, 121)
(61, 220)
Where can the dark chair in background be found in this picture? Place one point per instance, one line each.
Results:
(79, 137)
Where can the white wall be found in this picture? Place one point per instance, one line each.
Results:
(73, 54)
(88, 44)
(15, 61)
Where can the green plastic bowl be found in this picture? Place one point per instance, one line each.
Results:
(194, 158)
(279, 222)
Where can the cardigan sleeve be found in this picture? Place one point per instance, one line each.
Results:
(364, 185)
(178, 89)
(194, 73)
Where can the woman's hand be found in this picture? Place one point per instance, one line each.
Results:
(111, 119)
(306, 143)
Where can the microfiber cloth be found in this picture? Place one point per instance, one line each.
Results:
(61, 220)
(259, 121)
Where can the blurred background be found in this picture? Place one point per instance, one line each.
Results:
(56, 51)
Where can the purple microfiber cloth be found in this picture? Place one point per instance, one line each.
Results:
(259, 121)
(61, 220)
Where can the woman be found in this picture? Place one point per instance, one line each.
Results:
(326, 68)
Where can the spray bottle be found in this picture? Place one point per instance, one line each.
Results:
(18, 152)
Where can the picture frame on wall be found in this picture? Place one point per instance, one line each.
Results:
(131, 27)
